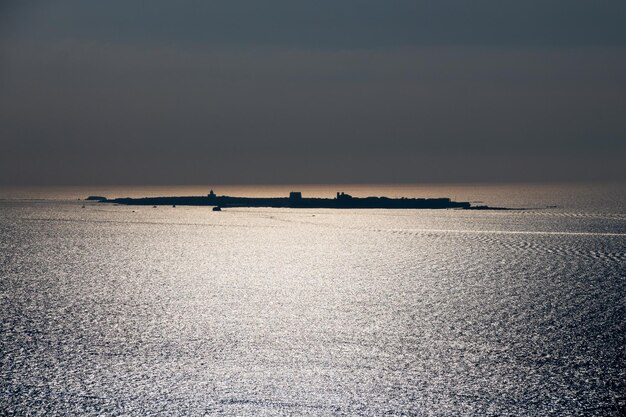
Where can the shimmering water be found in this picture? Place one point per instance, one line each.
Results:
(184, 311)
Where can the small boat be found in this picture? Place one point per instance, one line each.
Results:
(217, 208)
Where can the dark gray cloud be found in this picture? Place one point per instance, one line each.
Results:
(329, 23)
(360, 91)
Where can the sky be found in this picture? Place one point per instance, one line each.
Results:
(341, 91)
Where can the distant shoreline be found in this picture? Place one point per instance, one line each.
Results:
(295, 200)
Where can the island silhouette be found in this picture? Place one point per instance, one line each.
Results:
(295, 200)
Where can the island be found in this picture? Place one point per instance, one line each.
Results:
(295, 200)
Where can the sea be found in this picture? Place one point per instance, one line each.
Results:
(182, 311)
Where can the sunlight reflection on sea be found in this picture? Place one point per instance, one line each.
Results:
(184, 311)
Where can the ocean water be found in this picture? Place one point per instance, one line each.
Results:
(119, 310)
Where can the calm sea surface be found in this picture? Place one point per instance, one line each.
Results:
(184, 311)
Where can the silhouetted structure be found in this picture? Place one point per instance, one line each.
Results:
(295, 196)
(295, 200)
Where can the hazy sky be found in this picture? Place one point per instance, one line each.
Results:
(243, 91)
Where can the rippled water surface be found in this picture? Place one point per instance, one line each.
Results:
(184, 311)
